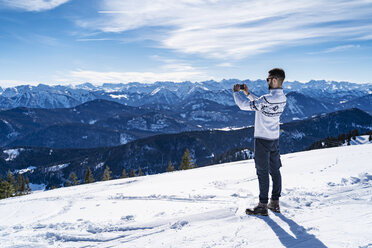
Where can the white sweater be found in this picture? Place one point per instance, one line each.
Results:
(268, 109)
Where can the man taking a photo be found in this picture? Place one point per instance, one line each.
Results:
(268, 109)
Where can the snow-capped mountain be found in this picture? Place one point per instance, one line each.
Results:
(326, 202)
(300, 107)
(363, 102)
(334, 90)
(137, 94)
(86, 116)
(92, 124)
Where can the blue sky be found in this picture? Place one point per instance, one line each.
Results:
(77, 41)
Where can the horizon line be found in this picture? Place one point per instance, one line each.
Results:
(166, 81)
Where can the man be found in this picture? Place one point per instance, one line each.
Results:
(268, 109)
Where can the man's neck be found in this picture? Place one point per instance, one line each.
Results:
(276, 88)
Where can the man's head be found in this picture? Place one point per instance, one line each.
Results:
(276, 78)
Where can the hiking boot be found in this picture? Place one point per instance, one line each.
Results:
(260, 209)
(274, 206)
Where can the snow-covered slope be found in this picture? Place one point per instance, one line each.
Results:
(326, 202)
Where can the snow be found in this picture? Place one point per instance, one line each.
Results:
(138, 123)
(13, 133)
(30, 168)
(125, 138)
(359, 140)
(297, 135)
(293, 106)
(99, 165)
(119, 96)
(207, 116)
(231, 128)
(57, 167)
(156, 91)
(248, 153)
(12, 153)
(326, 202)
(37, 187)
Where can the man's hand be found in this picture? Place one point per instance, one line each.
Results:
(246, 92)
(236, 88)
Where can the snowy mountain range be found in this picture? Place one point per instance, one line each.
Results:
(146, 125)
(326, 202)
(102, 122)
(105, 123)
(168, 93)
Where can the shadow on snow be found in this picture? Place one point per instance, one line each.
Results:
(302, 239)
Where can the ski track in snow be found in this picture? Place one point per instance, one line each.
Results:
(326, 202)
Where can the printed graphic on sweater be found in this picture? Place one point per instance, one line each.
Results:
(267, 108)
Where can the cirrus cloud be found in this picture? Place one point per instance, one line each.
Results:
(171, 70)
(236, 29)
(33, 5)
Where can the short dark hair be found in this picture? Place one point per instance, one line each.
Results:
(278, 73)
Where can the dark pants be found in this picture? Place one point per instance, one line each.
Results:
(267, 160)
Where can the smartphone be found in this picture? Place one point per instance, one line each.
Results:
(242, 86)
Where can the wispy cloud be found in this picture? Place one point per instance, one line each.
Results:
(47, 40)
(337, 49)
(177, 72)
(94, 39)
(341, 48)
(227, 64)
(33, 5)
(236, 29)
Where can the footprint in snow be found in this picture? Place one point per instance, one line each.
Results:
(179, 224)
(127, 218)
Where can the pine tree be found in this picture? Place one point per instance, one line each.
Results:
(106, 174)
(6, 189)
(132, 173)
(140, 173)
(348, 136)
(20, 185)
(2, 189)
(23, 185)
(73, 180)
(355, 133)
(88, 177)
(124, 174)
(342, 138)
(170, 166)
(186, 161)
(10, 178)
(28, 188)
